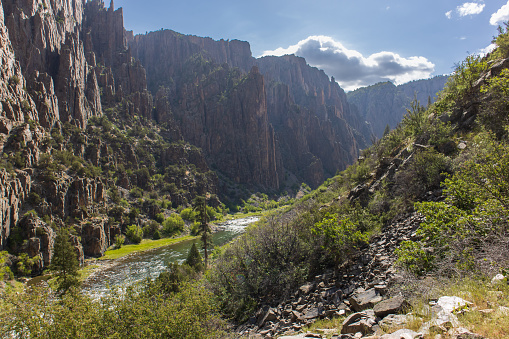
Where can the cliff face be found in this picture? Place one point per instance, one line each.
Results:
(314, 131)
(319, 132)
(63, 63)
(385, 104)
(164, 54)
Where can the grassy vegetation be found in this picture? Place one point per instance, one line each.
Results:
(144, 245)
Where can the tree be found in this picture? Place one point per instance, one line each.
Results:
(134, 234)
(64, 262)
(200, 206)
(194, 258)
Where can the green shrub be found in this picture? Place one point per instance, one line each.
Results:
(159, 217)
(188, 214)
(134, 234)
(173, 224)
(136, 192)
(119, 240)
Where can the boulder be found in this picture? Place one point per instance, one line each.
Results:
(390, 306)
(271, 315)
(363, 300)
(450, 304)
(364, 322)
(395, 320)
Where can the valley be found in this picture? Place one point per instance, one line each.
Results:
(164, 185)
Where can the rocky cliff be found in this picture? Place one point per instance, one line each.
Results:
(385, 103)
(315, 132)
(75, 121)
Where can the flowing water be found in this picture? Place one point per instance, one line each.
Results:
(150, 263)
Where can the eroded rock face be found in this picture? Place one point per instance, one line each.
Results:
(311, 130)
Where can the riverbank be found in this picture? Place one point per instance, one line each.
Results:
(144, 245)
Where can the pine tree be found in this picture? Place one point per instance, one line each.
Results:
(194, 258)
(200, 206)
(64, 262)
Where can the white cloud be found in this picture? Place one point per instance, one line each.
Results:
(501, 15)
(468, 8)
(487, 49)
(351, 69)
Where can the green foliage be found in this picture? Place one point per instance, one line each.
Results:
(265, 264)
(173, 224)
(64, 262)
(156, 235)
(502, 42)
(134, 233)
(473, 216)
(139, 311)
(5, 271)
(25, 264)
(342, 235)
(494, 109)
(159, 217)
(114, 195)
(188, 214)
(119, 240)
(136, 192)
(173, 279)
(194, 258)
(200, 207)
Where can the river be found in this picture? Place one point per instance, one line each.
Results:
(138, 266)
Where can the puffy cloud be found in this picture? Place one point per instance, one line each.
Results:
(468, 8)
(501, 15)
(353, 70)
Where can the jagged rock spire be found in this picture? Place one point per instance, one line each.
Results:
(112, 6)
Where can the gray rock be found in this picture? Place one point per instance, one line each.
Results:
(441, 323)
(271, 315)
(395, 320)
(364, 300)
(390, 306)
(306, 289)
(497, 279)
(363, 322)
(463, 333)
(312, 313)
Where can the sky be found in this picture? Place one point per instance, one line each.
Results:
(359, 42)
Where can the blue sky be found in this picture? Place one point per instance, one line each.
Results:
(359, 42)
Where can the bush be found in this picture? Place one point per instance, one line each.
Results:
(150, 228)
(159, 217)
(466, 231)
(134, 234)
(188, 214)
(119, 240)
(173, 224)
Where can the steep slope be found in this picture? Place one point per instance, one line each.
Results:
(315, 132)
(385, 104)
